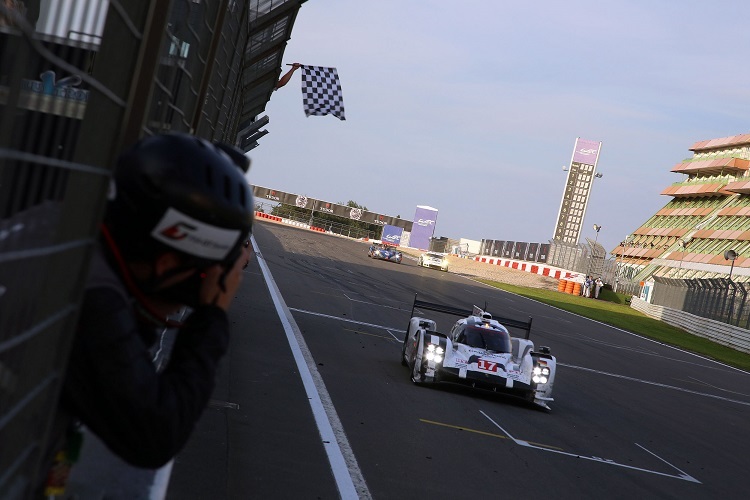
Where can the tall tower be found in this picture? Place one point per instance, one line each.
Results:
(581, 174)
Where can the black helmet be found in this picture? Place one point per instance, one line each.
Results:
(184, 193)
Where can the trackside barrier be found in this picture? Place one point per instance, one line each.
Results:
(728, 335)
(533, 268)
(295, 223)
(264, 215)
(290, 222)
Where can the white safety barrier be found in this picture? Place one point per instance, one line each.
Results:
(716, 331)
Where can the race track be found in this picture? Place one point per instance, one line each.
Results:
(318, 405)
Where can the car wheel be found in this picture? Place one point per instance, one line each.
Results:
(403, 352)
(530, 396)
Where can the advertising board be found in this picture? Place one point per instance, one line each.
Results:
(423, 227)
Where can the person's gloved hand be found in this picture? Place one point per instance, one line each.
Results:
(219, 287)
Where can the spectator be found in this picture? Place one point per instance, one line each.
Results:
(598, 284)
(174, 235)
(586, 289)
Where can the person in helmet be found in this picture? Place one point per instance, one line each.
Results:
(175, 234)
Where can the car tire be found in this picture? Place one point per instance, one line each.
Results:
(403, 351)
(529, 396)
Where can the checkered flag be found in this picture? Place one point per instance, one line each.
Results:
(321, 92)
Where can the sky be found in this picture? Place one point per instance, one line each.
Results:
(473, 107)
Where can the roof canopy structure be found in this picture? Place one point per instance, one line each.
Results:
(271, 25)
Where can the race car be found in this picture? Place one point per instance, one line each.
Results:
(478, 352)
(434, 260)
(384, 252)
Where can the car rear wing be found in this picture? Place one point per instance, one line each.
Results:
(456, 311)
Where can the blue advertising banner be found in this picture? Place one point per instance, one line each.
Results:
(392, 235)
(423, 227)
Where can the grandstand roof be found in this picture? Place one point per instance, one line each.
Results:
(739, 187)
(712, 167)
(723, 143)
(695, 189)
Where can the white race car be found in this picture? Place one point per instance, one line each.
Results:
(434, 260)
(478, 352)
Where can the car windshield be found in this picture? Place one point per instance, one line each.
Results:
(435, 256)
(487, 338)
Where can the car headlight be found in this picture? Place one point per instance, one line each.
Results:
(540, 374)
(434, 353)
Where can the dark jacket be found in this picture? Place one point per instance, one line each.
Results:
(113, 387)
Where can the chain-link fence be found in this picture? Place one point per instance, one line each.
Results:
(717, 299)
(78, 81)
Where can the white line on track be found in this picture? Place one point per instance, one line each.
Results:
(657, 384)
(370, 303)
(382, 327)
(701, 382)
(349, 479)
(683, 476)
(639, 350)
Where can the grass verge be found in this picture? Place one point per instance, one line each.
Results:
(615, 312)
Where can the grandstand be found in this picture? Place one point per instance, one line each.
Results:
(693, 235)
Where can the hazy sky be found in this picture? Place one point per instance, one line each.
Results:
(473, 107)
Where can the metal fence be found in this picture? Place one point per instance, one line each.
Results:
(78, 81)
(590, 259)
(718, 299)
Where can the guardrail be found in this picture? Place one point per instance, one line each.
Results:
(731, 336)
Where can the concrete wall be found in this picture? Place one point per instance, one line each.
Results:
(721, 333)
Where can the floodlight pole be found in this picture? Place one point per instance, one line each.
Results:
(730, 255)
(597, 228)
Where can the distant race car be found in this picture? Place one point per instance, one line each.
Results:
(434, 260)
(478, 352)
(384, 252)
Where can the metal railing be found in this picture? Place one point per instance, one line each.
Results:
(78, 82)
(718, 299)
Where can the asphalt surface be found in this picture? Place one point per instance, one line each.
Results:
(631, 418)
